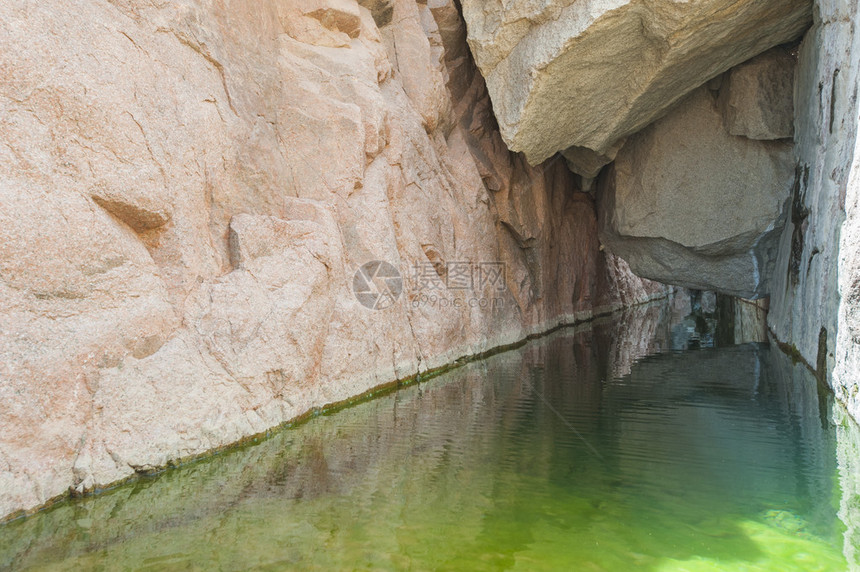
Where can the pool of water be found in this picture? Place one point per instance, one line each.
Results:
(601, 448)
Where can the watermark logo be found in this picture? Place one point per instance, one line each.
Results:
(459, 275)
(458, 284)
(377, 285)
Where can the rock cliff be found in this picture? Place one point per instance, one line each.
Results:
(814, 298)
(218, 216)
(720, 164)
(189, 193)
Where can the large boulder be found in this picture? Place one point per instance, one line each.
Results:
(587, 73)
(688, 203)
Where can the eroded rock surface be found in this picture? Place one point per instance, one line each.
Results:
(690, 204)
(587, 73)
(187, 190)
(815, 293)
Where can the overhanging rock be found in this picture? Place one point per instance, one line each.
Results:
(586, 73)
(688, 203)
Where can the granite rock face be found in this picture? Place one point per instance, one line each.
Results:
(846, 372)
(690, 204)
(814, 297)
(846, 375)
(187, 191)
(587, 73)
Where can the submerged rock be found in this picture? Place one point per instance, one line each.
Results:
(587, 73)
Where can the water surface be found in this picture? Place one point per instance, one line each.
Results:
(575, 452)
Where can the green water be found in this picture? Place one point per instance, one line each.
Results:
(564, 455)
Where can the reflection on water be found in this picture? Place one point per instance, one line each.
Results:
(715, 320)
(574, 452)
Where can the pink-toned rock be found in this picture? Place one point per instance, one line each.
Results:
(187, 191)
